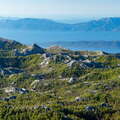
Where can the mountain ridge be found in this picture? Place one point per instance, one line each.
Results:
(104, 24)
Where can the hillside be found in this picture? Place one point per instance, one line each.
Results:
(104, 24)
(58, 84)
(6, 44)
(33, 24)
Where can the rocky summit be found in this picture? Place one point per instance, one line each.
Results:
(57, 84)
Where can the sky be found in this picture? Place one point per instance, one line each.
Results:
(60, 8)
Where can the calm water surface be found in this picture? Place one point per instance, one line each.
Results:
(105, 41)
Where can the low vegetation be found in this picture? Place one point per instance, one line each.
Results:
(59, 84)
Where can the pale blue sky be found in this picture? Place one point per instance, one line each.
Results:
(59, 8)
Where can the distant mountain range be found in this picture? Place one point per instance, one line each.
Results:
(104, 24)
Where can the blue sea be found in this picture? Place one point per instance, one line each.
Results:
(92, 41)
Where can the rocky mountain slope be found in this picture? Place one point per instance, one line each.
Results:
(56, 83)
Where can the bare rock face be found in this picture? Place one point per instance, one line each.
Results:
(34, 49)
(37, 49)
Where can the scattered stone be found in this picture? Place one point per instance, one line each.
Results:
(36, 107)
(38, 76)
(45, 108)
(118, 65)
(107, 87)
(90, 108)
(67, 59)
(16, 52)
(70, 64)
(14, 90)
(47, 55)
(87, 61)
(86, 56)
(22, 90)
(5, 99)
(10, 90)
(12, 98)
(82, 65)
(10, 71)
(78, 99)
(35, 82)
(93, 91)
(104, 105)
(60, 103)
(45, 62)
(9, 98)
(86, 83)
(72, 80)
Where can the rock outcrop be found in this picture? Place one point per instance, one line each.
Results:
(34, 49)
